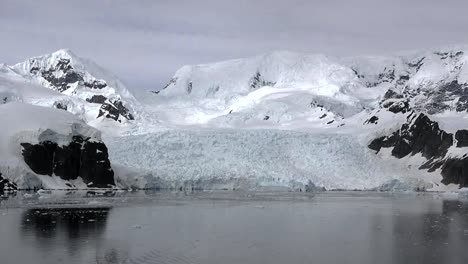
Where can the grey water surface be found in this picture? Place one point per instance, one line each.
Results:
(233, 227)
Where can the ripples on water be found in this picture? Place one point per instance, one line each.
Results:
(229, 227)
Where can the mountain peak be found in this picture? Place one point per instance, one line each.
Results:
(64, 53)
(47, 61)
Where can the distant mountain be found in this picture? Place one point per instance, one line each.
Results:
(429, 81)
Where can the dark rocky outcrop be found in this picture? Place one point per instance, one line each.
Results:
(96, 99)
(113, 109)
(61, 106)
(172, 81)
(386, 76)
(391, 94)
(6, 185)
(359, 75)
(455, 171)
(96, 84)
(417, 64)
(372, 120)
(80, 158)
(67, 76)
(419, 135)
(62, 75)
(422, 136)
(396, 106)
(258, 81)
(443, 97)
(189, 87)
(462, 138)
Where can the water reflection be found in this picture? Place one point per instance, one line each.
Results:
(212, 229)
(436, 236)
(65, 227)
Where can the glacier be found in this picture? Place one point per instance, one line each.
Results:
(255, 159)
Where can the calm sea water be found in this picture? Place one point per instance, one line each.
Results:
(233, 227)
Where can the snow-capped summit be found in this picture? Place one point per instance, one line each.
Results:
(282, 69)
(84, 86)
(62, 69)
(277, 87)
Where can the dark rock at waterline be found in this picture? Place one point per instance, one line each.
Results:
(311, 187)
(97, 156)
(6, 185)
(40, 157)
(81, 158)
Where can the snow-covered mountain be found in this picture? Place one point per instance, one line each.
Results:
(79, 86)
(281, 119)
(283, 86)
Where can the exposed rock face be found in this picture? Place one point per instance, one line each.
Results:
(462, 138)
(6, 185)
(62, 75)
(97, 99)
(96, 84)
(66, 75)
(189, 87)
(62, 106)
(114, 109)
(421, 135)
(172, 81)
(396, 105)
(372, 120)
(391, 94)
(81, 158)
(451, 96)
(258, 81)
(440, 99)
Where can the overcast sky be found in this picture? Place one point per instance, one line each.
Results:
(145, 41)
